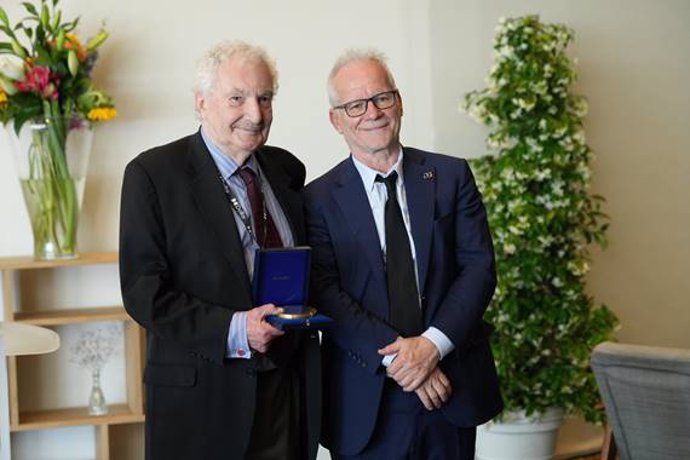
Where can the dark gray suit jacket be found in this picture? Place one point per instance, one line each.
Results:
(183, 274)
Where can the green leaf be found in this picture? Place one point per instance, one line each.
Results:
(9, 32)
(45, 16)
(60, 40)
(18, 49)
(30, 8)
(56, 20)
(26, 113)
(3, 17)
(43, 57)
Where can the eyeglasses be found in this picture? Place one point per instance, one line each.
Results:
(359, 107)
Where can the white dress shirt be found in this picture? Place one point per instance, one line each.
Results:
(377, 195)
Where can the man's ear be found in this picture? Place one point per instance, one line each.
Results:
(199, 104)
(335, 120)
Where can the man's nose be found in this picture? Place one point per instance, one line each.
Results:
(252, 110)
(372, 110)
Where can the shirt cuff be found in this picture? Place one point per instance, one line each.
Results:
(441, 340)
(388, 359)
(238, 346)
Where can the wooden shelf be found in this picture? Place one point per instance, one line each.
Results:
(55, 418)
(130, 413)
(72, 316)
(29, 263)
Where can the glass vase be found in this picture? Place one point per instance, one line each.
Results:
(97, 404)
(52, 155)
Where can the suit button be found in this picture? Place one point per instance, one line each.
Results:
(251, 372)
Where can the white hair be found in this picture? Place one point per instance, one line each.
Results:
(207, 66)
(352, 55)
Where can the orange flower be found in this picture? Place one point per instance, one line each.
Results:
(73, 42)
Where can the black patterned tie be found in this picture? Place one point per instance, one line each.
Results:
(405, 314)
(265, 230)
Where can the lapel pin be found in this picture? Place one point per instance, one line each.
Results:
(428, 175)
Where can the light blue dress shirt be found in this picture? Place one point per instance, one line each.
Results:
(378, 195)
(237, 343)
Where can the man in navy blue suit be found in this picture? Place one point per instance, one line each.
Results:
(403, 261)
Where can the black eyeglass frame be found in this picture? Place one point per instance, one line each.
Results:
(366, 101)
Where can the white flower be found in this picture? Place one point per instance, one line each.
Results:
(527, 105)
(11, 67)
(95, 345)
(581, 107)
(509, 249)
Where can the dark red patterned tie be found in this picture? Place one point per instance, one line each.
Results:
(267, 235)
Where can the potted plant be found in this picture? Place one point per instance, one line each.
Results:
(543, 218)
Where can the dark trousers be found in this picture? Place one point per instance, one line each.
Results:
(405, 430)
(277, 429)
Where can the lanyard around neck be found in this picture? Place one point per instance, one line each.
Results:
(237, 208)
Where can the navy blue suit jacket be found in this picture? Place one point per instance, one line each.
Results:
(457, 278)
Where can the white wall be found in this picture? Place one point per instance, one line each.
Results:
(147, 66)
(634, 67)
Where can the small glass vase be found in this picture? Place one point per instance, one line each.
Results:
(51, 156)
(97, 404)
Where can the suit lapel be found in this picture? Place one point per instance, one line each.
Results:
(420, 190)
(210, 198)
(354, 204)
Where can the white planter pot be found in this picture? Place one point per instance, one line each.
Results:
(519, 438)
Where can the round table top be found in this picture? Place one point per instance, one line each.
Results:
(18, 339)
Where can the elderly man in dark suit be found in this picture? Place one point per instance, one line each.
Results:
(403, 261)
(222, 383)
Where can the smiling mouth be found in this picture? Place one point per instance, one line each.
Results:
(374, 127)
(250, 128)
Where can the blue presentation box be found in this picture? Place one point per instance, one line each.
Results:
(281, 277)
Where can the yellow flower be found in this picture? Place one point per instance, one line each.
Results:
(3, 97)
(102, 114)
(73, 39)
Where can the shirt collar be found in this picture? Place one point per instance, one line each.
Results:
(369, 175)
(226, 165)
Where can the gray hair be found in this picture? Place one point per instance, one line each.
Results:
(352, 55)
(207, 66)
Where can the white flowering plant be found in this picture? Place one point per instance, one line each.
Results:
(543, 219)
(95, 345)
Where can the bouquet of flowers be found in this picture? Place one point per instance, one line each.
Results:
(45, 80)
(49, 73)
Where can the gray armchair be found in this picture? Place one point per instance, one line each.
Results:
(646, 391)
